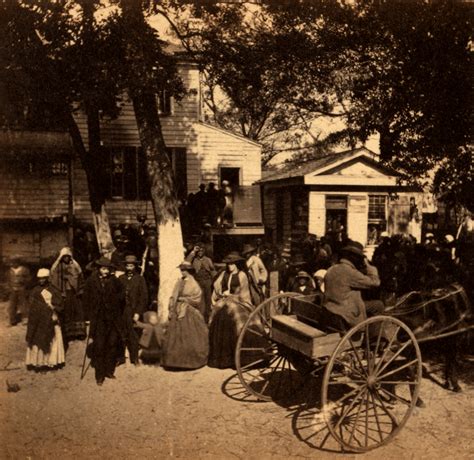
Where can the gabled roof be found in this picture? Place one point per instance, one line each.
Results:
(228, 133)
(323, 164)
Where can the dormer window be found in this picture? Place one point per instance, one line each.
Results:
(164, 103)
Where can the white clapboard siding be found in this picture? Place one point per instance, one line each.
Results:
(33, 197)
(317, 213)
(219, 148)
(177, 127)
(357, 212)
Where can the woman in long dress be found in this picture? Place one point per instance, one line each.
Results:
(67, 277)
(43, 335)
(231, 309)
(186, 344)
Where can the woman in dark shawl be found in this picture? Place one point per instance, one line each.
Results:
(231, 309)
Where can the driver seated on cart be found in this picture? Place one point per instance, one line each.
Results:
(343, 284)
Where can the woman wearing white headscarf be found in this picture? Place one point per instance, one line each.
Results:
(43, 335)
(66, 276)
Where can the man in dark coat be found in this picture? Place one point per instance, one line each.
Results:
(136, 303)
(104, 294)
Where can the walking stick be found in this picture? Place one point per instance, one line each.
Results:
(83, 372)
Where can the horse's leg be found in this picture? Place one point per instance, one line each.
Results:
(451, 363)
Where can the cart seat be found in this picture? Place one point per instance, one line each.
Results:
(289, 331)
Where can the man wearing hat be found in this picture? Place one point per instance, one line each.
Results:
(118, 255)
(104, 295)
(136, 302)
(343, 283)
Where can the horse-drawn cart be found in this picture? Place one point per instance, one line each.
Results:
(371, 374)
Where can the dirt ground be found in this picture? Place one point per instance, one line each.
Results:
(148, 412)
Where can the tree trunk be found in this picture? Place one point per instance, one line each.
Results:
(160, 173)
(163, 196)
(92, 162)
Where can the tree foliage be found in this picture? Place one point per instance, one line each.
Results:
(252, 82)
(401, 70)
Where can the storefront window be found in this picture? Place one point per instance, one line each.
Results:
(377, 222)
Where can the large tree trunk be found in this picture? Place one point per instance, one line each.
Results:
(160, 173)
(92, 162)
(163, 195)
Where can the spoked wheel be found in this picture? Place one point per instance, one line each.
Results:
(371, 383)
(266, 369)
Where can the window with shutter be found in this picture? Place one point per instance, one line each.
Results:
(178, 161)
(127, 173)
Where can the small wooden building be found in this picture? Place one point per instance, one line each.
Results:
(349, 191)
(44, 187)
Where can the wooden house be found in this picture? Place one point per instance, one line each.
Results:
(348, 192)
(44, 186)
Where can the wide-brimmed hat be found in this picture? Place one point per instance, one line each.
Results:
(42, 273)
(104, 262)
(232, 258)
(131, 259)
(297, 259)
(248, 248)
(354, 247)
(303, 274)
(185, 265)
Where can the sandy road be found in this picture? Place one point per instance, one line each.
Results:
(148, 412)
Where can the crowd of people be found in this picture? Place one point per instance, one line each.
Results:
(212, 301)
(210, 205)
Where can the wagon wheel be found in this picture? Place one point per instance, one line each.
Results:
(267, 369)
(371, 383)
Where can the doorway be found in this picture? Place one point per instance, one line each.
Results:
(232, 175)
(336, 218)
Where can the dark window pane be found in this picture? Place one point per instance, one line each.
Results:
(130, 184)
(180, 172)
(164, 103)
(377, 207)
(143, 186)
(177, 156)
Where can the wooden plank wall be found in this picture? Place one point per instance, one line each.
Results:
(269, 209)
(31, 196)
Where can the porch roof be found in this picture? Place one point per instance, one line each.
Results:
(327, 170)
